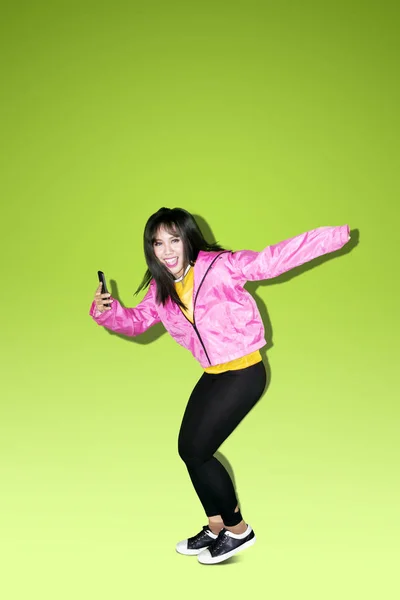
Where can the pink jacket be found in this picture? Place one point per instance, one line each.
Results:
(227, 323)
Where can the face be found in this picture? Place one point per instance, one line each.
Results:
(169, 250)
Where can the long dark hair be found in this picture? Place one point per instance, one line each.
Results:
(176, 221)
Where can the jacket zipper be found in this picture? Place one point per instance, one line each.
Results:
(194, 305)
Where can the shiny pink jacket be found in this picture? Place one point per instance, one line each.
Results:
(227, 323)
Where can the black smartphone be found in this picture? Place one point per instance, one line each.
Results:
(102, 280)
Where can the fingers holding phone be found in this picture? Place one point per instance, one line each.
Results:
(102, 297)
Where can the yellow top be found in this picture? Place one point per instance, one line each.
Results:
(184, 290)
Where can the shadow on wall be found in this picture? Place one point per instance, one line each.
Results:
(158, 330)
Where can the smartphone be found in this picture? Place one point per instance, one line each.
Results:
(102, 280)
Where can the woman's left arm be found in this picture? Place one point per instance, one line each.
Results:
(275, 260)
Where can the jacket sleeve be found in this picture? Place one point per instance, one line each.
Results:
(128, 321)
(275, 260)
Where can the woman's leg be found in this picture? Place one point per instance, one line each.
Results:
(215, 523)
(216, 406)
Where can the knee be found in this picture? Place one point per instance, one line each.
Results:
(191, 456)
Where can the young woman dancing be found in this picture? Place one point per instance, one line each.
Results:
(196, 290)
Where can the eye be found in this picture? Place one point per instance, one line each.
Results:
(176, 240)
(157, 243)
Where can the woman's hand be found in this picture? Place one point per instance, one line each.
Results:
(102, 301)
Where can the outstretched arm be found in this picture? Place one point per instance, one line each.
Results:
(128, 321)
(275, 260)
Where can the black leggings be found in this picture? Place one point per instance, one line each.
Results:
(216, 406)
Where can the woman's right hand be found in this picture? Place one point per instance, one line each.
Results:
(102, 301)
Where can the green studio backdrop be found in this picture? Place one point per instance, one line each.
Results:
(264, 120)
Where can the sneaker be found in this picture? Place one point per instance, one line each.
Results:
(197, 543)
(226, 546)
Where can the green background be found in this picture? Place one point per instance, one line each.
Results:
(265, 120)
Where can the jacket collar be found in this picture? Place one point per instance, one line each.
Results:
(204, 260)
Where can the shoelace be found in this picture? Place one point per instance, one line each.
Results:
(200, 535)
(216, 544)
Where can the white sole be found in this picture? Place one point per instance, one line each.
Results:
(188, 552)
(209, 560)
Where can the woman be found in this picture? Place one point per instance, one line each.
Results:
(196, 291)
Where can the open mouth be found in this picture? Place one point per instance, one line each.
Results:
(171, 263)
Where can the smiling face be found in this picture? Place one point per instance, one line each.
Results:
(169, 250)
